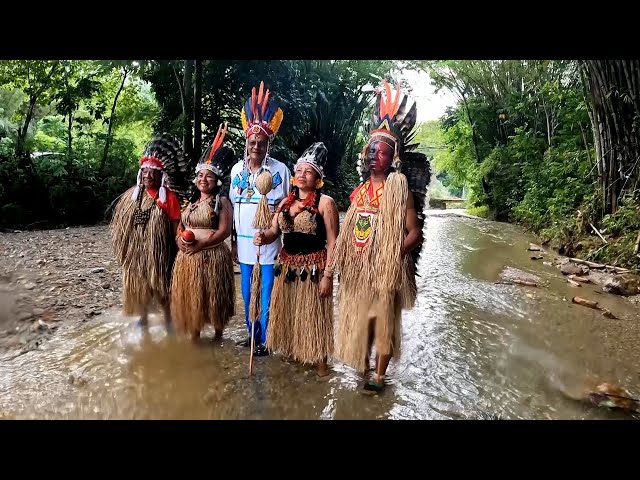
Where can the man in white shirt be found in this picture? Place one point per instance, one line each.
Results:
(261, 120)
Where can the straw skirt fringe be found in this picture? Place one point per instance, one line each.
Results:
(144, 253)
(301, 322)
(374, 285)
(203, 289)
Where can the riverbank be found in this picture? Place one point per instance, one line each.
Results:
(50, 277)
(578, 255)
(614, 241)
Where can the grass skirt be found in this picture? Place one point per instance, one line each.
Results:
(300, 321)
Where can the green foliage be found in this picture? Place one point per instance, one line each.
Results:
(6, 146)
(555, 188)
(619, 252)
(59, 182)
(516, 140)
(520, 141)
(482, 211)
(50, 136)
(431, 138)
(626, 219)
(71, 132)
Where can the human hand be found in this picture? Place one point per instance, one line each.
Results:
(326, 286)
(259, 239)
(193, 247)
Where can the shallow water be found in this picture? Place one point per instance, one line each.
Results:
(471, 349)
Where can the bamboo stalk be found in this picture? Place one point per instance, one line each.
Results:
(253, 324)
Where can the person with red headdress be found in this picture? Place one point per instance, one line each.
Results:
(380, 240)
(203, 285)
(143, 229)
(261, 118)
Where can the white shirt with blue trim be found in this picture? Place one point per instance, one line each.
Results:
(244, 197)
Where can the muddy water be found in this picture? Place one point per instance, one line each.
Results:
(472, 349)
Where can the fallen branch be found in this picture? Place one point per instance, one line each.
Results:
(596, 230)
(575, 284)
(617, 269)
(517, 282)
(595, 265)
(39, 222)
(579, 279)
(586, 303)
(587, 263)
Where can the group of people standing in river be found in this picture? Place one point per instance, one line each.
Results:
(173, 253)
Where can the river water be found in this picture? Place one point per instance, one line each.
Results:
(472, 349)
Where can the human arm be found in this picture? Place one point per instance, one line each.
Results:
(414, 233)
(234, 233)
(265, 237)
(329, 211)
(225, 220)
(173, 211)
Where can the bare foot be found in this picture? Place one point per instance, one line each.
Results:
(323, 371)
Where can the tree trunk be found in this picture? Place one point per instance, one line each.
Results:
(187, 111)
(474, 140)
(33, 99)
(586, 144)
(112, 118)
(197, 112)
(613, 87)
(69, 137)
(546, 116)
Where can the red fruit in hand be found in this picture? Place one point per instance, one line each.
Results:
(188, 236)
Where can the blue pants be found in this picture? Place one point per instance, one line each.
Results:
(268, 275)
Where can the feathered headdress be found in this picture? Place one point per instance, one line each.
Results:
(316, 156)
(261, 114)
(163, 153)
(392, 123)
(217, 158)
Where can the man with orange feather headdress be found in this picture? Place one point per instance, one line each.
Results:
(380, 240)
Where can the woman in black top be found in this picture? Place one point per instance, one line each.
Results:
(301, 312)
